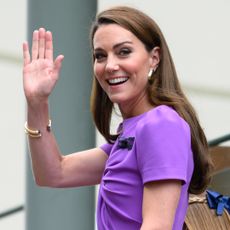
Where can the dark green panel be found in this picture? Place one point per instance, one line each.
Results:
(69, 20)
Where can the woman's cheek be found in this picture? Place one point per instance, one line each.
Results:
(98, 71)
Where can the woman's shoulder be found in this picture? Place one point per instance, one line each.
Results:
(162, 117)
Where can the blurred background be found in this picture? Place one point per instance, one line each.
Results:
(12, 164)
(198, 36)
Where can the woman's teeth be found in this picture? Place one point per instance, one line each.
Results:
(117, 81)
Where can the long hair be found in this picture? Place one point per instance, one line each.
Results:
(164, 88)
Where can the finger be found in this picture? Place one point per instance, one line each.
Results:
(58, 63)
(41, 43)
(35, 45)
(26, 53)
(48, 45)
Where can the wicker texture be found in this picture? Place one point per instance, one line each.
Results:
(201, 217)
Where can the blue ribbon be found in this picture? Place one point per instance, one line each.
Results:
(125, 143)
(218, 202)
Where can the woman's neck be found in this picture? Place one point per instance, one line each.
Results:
(135, 109)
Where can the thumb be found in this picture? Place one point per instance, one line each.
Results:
(58, 63)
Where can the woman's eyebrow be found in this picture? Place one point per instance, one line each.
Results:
(121, 43)
(115, 46)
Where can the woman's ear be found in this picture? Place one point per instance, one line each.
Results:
(155, 57)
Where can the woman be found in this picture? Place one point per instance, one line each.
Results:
(159, 153)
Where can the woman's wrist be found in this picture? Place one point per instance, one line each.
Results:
(37, 102)
(36, 133)
(38, 114)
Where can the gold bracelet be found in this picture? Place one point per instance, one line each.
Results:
(36, 133)
(33, 135)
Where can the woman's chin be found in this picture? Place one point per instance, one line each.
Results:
(116, 99)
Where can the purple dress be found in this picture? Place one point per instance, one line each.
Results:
(155, 145)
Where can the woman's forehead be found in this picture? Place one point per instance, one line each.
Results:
(112, 34)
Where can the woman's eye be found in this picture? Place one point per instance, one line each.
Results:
(99, 56)
(124, 52)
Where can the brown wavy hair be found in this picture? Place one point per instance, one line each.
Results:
(164, 88)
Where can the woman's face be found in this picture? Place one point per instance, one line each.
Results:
(121, 65)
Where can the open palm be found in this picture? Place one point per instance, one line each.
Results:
(40, 72)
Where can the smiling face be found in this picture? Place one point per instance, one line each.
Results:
(121, 66)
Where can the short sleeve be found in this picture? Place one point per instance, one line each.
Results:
(106, 148)
(163, 146)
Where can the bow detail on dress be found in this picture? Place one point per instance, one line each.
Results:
(218, 202)
(125, 143)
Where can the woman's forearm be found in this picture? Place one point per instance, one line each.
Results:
(45, 155)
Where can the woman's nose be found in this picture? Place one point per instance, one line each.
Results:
(112, 64)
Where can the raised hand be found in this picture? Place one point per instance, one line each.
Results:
(40, 70)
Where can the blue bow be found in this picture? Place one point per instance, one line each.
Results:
(218, 202)
(125, 143)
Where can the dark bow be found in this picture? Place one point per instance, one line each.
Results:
(125, 143)
(218, 202)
